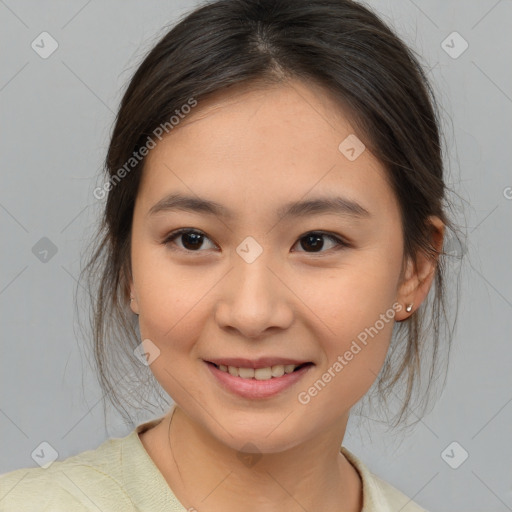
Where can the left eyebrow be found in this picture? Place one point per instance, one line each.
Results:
(338, 205)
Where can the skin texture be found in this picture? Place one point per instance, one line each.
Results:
(253, 150)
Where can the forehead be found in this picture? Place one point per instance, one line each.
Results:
(281, 141)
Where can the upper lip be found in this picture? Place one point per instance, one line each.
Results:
(262, 362)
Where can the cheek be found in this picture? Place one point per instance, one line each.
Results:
(352, 297)
(354, 306)
(352, 367)
(172, 315)
(170, 318)
(354, 346)
(169, 299)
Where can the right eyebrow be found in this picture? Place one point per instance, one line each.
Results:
(192, 204)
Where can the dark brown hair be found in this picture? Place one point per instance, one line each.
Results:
(347, 50)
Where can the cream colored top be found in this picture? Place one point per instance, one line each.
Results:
(120, 475)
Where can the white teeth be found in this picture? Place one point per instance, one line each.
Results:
(246, 373)
(267, 373)
(261, 373)
(277, 370)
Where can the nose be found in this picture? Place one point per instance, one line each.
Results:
(254, 300)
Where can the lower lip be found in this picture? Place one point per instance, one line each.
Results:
(252, 388)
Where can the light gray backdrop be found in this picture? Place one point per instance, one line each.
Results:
(56, 114)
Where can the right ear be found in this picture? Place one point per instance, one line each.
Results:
(134, 305)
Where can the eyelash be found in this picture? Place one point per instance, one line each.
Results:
(341, 244)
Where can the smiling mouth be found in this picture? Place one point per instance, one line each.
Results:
(266, 373)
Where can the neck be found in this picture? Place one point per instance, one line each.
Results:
(208, 475)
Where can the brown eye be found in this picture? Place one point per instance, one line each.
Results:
(191, 239)
(314, 242)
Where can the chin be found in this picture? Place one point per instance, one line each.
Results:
(255, 435)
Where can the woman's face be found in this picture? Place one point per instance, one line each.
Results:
(253, 284)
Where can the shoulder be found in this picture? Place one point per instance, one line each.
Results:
(379, 495)
(395, 499)
(91, 480)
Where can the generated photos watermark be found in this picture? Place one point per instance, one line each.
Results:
(304, 397)
(138, 156)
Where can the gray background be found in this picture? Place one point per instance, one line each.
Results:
(56, 118)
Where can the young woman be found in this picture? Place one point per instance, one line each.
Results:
(273, 228)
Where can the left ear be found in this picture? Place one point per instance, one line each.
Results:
(418, 278)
